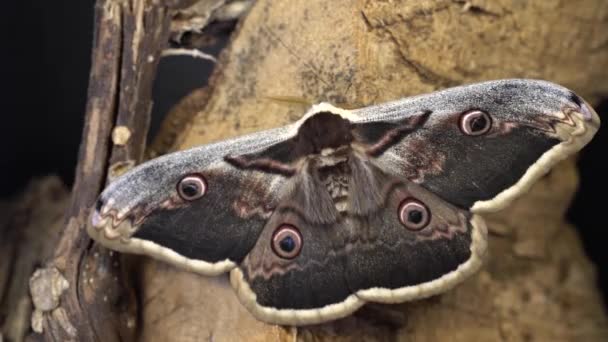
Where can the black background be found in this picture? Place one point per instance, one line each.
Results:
(44, 71)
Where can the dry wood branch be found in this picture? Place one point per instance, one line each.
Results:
(29, 226)
(129, 37)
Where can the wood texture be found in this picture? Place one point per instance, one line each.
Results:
(83, 295)
(29, 227)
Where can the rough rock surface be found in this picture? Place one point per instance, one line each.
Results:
(537, 284)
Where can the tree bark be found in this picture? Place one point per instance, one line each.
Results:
(537, 284)
(81, 294)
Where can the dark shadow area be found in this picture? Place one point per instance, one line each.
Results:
(177, 77)
(44, 72)
(587, 210)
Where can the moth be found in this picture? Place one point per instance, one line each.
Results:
(343, 207)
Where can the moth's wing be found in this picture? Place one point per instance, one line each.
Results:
(141, 211)
(392, 264)
(534, 125)
(359, 258)
(310, 287)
